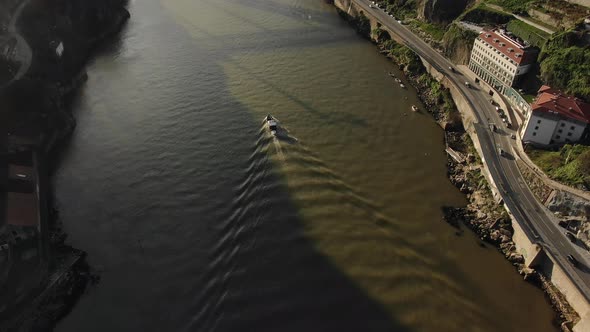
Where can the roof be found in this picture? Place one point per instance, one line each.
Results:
(509, 47)
(550, 100)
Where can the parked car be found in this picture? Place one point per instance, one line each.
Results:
(501, 152)
(573, 260)
(571, 236)
(467, 84)
(513, 136)
(563, 223)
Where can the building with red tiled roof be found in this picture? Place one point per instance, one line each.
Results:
(500, 59)
(556, 118)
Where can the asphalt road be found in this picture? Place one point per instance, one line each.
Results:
(537, 221)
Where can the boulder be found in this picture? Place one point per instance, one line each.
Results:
(495, 235)
(505, 232)
(515, 257)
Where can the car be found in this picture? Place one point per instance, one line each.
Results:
(501, 152)
(493, 127)
(571, 236)
(452, 69)
(467, 84)
(573, 260)
(563, 223)
(513, 136)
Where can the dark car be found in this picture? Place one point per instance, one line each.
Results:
(571, 236)
(573, 260)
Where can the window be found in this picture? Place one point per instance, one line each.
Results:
(563, 124)
(534, 134)
(557, 137)
(572, 128)
(560, 131)
(536, 127)
(569, 134)
(538, 121)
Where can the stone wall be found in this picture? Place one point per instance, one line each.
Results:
(533, 253)
(583, 3)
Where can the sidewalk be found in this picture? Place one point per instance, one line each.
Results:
(517, 120)
(519, 150)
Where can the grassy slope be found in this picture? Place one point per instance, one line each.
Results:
(570, 165)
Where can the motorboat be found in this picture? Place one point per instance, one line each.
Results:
(401, 85)
(272, 124)
(414, 108)
(391, 74)
(398, 80)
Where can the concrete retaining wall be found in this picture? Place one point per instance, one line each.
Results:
(570, 291)
(533, 253)
(583, 3)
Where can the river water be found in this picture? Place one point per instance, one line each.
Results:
(198, 220)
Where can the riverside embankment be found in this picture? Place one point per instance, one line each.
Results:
(483, 214)
(36, 119)
(204, 204)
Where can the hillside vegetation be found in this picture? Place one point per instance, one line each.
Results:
(565, 64)
(564, 61)
(570, 165)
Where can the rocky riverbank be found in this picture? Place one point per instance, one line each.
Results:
(36, 115)
(483, 214)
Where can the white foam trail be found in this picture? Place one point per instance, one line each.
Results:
(279, 149)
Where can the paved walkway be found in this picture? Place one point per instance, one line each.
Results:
(524, 19)
(517, 120)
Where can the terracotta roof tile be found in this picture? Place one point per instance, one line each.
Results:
(550, 100)
(508, 47)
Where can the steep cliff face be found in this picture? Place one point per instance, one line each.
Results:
(60, 34)
(441, 11)
(457, 44)
(76, 24)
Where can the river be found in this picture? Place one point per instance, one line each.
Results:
(197, 219)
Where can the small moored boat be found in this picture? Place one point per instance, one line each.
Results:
(272, 124)
(414, 108)
(398, 80)
(401, 85)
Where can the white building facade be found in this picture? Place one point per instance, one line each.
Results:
(555, 119)
(500, 60)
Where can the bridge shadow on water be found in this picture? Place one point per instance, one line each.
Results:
(262, 272)
(267, 275)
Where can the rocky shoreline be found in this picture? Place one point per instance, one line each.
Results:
(54, 81)
(483, 215)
